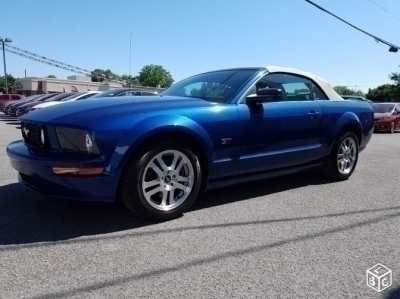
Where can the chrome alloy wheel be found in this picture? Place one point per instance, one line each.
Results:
(347, 155)
(167, 180)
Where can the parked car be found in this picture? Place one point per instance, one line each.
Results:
(10, 97)
(387, 117)
(74, 97)
(4, 105)
(12, 109)
(25, 108)
(124, 92)
(220, 128)
(356, 98)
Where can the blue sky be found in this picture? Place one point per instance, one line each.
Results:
(192, 36)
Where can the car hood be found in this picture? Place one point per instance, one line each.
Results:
(84, 112)
(380, 115)
(30, 104)
(48, 104)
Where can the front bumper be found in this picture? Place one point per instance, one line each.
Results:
(382, 125)
(35, 172)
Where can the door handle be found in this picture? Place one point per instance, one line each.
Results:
(314, 114)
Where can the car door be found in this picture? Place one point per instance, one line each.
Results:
(284, 132)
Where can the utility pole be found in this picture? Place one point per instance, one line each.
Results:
(3, 41)
(130, 60)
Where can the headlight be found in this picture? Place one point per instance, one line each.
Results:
(77, 141)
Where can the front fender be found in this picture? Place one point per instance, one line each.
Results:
(153, 125)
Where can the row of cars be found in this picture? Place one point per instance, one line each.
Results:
(23, 105)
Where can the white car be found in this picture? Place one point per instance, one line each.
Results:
(74, 97)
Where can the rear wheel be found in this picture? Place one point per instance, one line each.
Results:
(343, 158)
(162, 182)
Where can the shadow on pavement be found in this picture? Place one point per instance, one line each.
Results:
(27, 217)
(393, 294)
(260, 188)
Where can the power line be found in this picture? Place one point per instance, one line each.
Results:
(58, 64)
(393, 48)
(384, 9)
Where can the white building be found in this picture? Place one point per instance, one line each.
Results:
(35, 85)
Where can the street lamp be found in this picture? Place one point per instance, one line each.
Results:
(3, 41)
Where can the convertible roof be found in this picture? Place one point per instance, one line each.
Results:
(324, 84)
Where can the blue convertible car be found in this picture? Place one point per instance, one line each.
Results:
(156, 153)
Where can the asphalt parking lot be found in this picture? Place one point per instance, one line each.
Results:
(295, 237)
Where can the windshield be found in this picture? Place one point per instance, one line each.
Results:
(72, 96)
(218, 86)
(383, 108)
(108, 93)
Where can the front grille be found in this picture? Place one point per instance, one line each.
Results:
(32, 135)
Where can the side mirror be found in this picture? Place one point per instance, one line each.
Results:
(265, 95)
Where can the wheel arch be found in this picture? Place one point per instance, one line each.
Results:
(347, 122)
(195, 137)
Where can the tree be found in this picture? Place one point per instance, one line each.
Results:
(396, 78)
(99, 75)
(133, 80)
(209, 90)
(384, 93)
(51, 76)
(344, 90)
(10, 82)
(154, 75)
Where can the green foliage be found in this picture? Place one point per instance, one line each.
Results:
(209, 90)
(344, 90)
(10, 82)
(150, 75)
(133, 80)
(99, 75)
(395, 77)
(51, 76)
(384, 93)
(153, 75)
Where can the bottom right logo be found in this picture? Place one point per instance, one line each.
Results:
(379, 277)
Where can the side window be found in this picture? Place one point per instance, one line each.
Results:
(294, 88)
(123, 94)
(4, 97)
(15, 97)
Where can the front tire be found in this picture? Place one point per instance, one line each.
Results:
(343, 158)
(392, 128)
(162, 182)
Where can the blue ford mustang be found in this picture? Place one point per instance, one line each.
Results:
(156, 153)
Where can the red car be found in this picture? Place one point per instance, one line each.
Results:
(386, 116)
(9, 97)
(4, 105)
